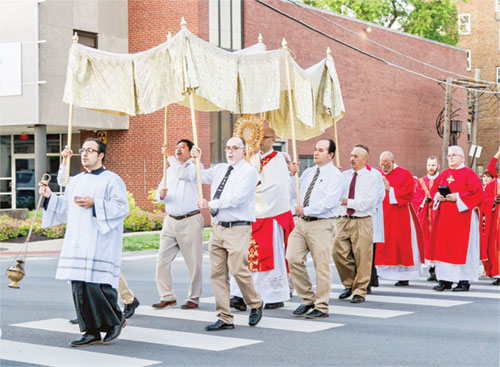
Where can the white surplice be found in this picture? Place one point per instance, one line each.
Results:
(92, 247)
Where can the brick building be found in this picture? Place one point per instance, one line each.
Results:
(479, 29)
(387, 108)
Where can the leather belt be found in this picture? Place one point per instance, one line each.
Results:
(353, 217)
(234, 224)
(312, 219)
(190, 214)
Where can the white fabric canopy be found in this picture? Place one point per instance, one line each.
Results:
(251, 80)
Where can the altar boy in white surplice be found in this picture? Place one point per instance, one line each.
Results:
(94, 206)
(266, 253)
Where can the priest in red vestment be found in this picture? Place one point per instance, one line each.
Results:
(493, 161)
(424, 210)
(400, 256)
(491, 235)
(454, 242)
(266, 253)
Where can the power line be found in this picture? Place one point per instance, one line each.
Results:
(386, 47)
(364, 52)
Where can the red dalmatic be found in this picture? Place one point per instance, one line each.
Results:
(397, 248)
(449, 240)
(425, 213)
(491, 235)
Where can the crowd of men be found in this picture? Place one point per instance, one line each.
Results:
(373, 223)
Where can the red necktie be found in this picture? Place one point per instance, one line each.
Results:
(351, 192)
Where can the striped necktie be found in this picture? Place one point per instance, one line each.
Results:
(310, 188)
(218, 192)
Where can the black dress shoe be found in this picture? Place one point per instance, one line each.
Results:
(238, 303)
(219, 325)
(402, 283)
(273, 306)
(375, 282)
(369, 290)
(432, 275)
(86, 339)
(115, 333)
(74, 321)
(129, 309)
(316, 314)
(357, 299)
(442, 285)
(462, 286)
(345, 293)
(496, 282)
(302, 310)
(255, 315)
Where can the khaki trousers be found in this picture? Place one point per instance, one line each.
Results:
(229, 254)
(185, 235)
(353, 252)
(317, 238)
(124, 291)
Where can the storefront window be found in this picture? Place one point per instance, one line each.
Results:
(24, 144)
(5, 157)
(53, 143)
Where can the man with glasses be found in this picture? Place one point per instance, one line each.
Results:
(182, 229)
(266, 254)
(126, 294)
(233, 210)
(402, 253)
(454, 240)
(321, 188)
(94, 206)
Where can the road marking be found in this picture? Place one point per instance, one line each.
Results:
(64, 357)
(340, 310)
(430, 292)
(155, 336)
(288, 324)
(409, 300)
(473, 286)
(138, 257)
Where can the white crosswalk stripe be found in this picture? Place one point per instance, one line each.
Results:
(155, 336)
(286, 324)
(425, 283)
(410, 300)
(341, 310)
(65, 357)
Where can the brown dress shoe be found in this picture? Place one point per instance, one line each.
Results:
(189, 304)
(163, 304)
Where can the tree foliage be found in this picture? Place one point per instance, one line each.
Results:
(432, 19)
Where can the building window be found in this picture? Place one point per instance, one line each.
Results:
(306, 161)
(498, 74)
(464, 24)
(469, 61)
(86, 38)
(497, 6)
(221, 129)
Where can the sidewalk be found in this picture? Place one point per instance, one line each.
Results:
(48, 247)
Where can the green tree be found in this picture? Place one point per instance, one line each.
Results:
(432, 19)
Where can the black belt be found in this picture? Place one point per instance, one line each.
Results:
(312, 219)
(190, 214)
(234, 224)
(353, 217)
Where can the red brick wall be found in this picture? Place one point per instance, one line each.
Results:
(386, 109)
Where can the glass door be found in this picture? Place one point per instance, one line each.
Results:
(25, 183)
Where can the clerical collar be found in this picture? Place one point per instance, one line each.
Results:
(461, 166)
(432, 177)
(96, 171)
(262, 155)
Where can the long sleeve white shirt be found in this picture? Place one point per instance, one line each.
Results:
(365, 193)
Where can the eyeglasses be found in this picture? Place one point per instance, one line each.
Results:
(268, 137)
(232, 149)
(87, 150)
(453, 155)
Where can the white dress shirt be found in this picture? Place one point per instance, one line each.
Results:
(326, 196)
(365, 193)
(237, 201)
(181, 195)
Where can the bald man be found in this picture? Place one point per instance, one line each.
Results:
(274, 222)
(353, 249)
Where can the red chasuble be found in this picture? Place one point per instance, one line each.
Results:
(397, 248)
(491, 235)
(260, 251)
(450, 233)
(425, 213)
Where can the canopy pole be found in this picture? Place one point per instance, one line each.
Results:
(195, 138)
(335, 136)
(290, 102)
(165, 136)
(70, 127)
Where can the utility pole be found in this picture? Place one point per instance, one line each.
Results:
(446, 122)
(475, 117)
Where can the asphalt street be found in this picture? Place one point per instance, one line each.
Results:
(414, 326)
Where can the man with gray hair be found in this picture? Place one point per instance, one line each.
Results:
(454, 241)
